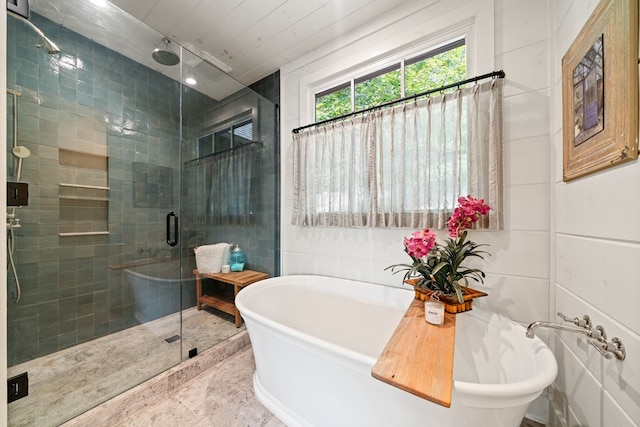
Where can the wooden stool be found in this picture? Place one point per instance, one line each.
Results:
(239, 279)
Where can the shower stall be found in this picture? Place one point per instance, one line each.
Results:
(133, 151)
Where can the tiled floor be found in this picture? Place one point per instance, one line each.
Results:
(69, 382)
(222, 396)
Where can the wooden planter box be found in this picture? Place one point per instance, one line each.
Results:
(451, 303)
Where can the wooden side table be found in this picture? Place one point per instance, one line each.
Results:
(238, 279)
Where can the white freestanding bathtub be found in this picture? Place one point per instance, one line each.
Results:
(315, 340)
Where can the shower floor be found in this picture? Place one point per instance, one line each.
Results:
(65, 384)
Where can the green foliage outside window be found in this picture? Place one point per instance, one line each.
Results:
(333, 104)
(436, 71)
(420, 76)
(378, 90)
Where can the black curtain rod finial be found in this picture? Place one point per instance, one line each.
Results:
(494, 74)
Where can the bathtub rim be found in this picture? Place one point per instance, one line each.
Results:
(468, 393)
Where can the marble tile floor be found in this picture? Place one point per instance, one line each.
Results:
(64, 384)
(213, 389)
(221, 396)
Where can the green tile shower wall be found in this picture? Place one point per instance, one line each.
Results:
(88, 99)
(92, 99)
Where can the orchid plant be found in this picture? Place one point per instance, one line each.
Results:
(439, 266)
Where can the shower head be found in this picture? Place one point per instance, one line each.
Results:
(21, 153)
(48, 45)
(165, 56)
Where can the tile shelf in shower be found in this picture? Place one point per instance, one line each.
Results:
(88, 187)
(84, 233)
(96, 199)
(70, 191)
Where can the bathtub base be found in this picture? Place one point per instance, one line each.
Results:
(307, 386)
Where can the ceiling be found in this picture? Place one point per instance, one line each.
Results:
(246, 39)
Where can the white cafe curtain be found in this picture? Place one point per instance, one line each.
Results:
(403, 166)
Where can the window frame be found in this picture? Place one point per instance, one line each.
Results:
(474, 22)
(398, 64)
(242, 119)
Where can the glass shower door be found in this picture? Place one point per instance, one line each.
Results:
(100, 298)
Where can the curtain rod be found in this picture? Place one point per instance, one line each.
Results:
(494, 74)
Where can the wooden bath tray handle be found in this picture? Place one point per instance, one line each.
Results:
(419, 356)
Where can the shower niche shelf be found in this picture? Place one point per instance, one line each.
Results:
(92, 187)
(83, 196)
(83, 192)
(84, 233)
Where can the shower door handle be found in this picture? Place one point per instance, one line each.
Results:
(174, 241)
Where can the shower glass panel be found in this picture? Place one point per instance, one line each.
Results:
(105, 303)
(229, 185)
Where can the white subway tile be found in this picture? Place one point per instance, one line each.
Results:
(526, 161)
(527, 207)
(517, 253)
(614, 415)
(522, 299)
(601, 273)
(526, 115)
(577, 386)
(618, 378)
(521, 26)
(603, 204)
(526, 69)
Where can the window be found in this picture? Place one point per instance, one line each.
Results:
(402, 166)
(226, 138)
(430, 70)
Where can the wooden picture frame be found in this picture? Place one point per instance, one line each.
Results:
(600, 91)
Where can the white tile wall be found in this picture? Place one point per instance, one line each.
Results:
(597, 244)
(520, 154)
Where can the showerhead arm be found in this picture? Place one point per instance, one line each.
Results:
(48, 45)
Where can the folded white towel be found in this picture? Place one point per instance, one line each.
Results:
(211, 258)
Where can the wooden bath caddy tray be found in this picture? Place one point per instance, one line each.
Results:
(419, 356)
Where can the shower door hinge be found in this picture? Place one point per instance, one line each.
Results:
(18, 387)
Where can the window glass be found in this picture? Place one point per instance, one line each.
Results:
(226, 137)
(435, 71)
(377, 89)
(431, 70)
(205, 145)
(222, 140)
(333, 103)
(242, 134)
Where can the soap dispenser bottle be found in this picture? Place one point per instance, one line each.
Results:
(237, 259)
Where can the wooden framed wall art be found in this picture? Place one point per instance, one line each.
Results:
(600, 91)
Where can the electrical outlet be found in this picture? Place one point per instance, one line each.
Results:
(18, 387)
